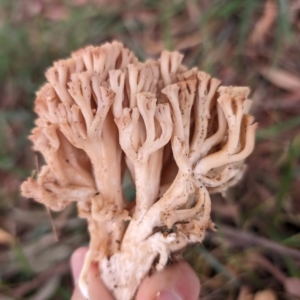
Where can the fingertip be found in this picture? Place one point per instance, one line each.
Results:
(178, 280)
(95, 285)
(188, 284)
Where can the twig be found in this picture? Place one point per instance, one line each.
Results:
(246, 239)
(26, 287)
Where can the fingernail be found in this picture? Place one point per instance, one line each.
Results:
(168, 295)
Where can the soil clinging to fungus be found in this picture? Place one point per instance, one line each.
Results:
(180, 135)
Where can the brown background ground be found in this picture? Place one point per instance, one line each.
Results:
(256, 252)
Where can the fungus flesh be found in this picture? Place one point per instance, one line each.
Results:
(178, 133)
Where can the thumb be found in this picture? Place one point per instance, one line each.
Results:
(175, 282)
(77, 261)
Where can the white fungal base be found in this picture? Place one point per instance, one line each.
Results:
(123, 272)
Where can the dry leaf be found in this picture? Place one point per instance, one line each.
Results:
(3, 297)
(153, 46)
(292, 286)
(265, 23)
(47, 290)
(245, 294)
(265, 295)
(192, 40)
(57, 12)
(281, 78)
(6, 238)
(227, 211)
(193, 10)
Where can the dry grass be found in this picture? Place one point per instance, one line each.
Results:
(250, 42)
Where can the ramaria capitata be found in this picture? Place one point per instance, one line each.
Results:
(178, 132)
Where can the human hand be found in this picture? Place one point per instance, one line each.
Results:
(175, 282)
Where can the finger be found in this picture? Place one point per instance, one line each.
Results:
(97, 289)
(77, 261)
(77, 294)
(175, 282)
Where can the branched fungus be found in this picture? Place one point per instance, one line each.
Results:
(180, 135)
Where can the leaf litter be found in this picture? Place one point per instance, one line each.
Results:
(209, 34)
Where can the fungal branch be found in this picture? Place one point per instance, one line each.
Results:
(179, 133)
